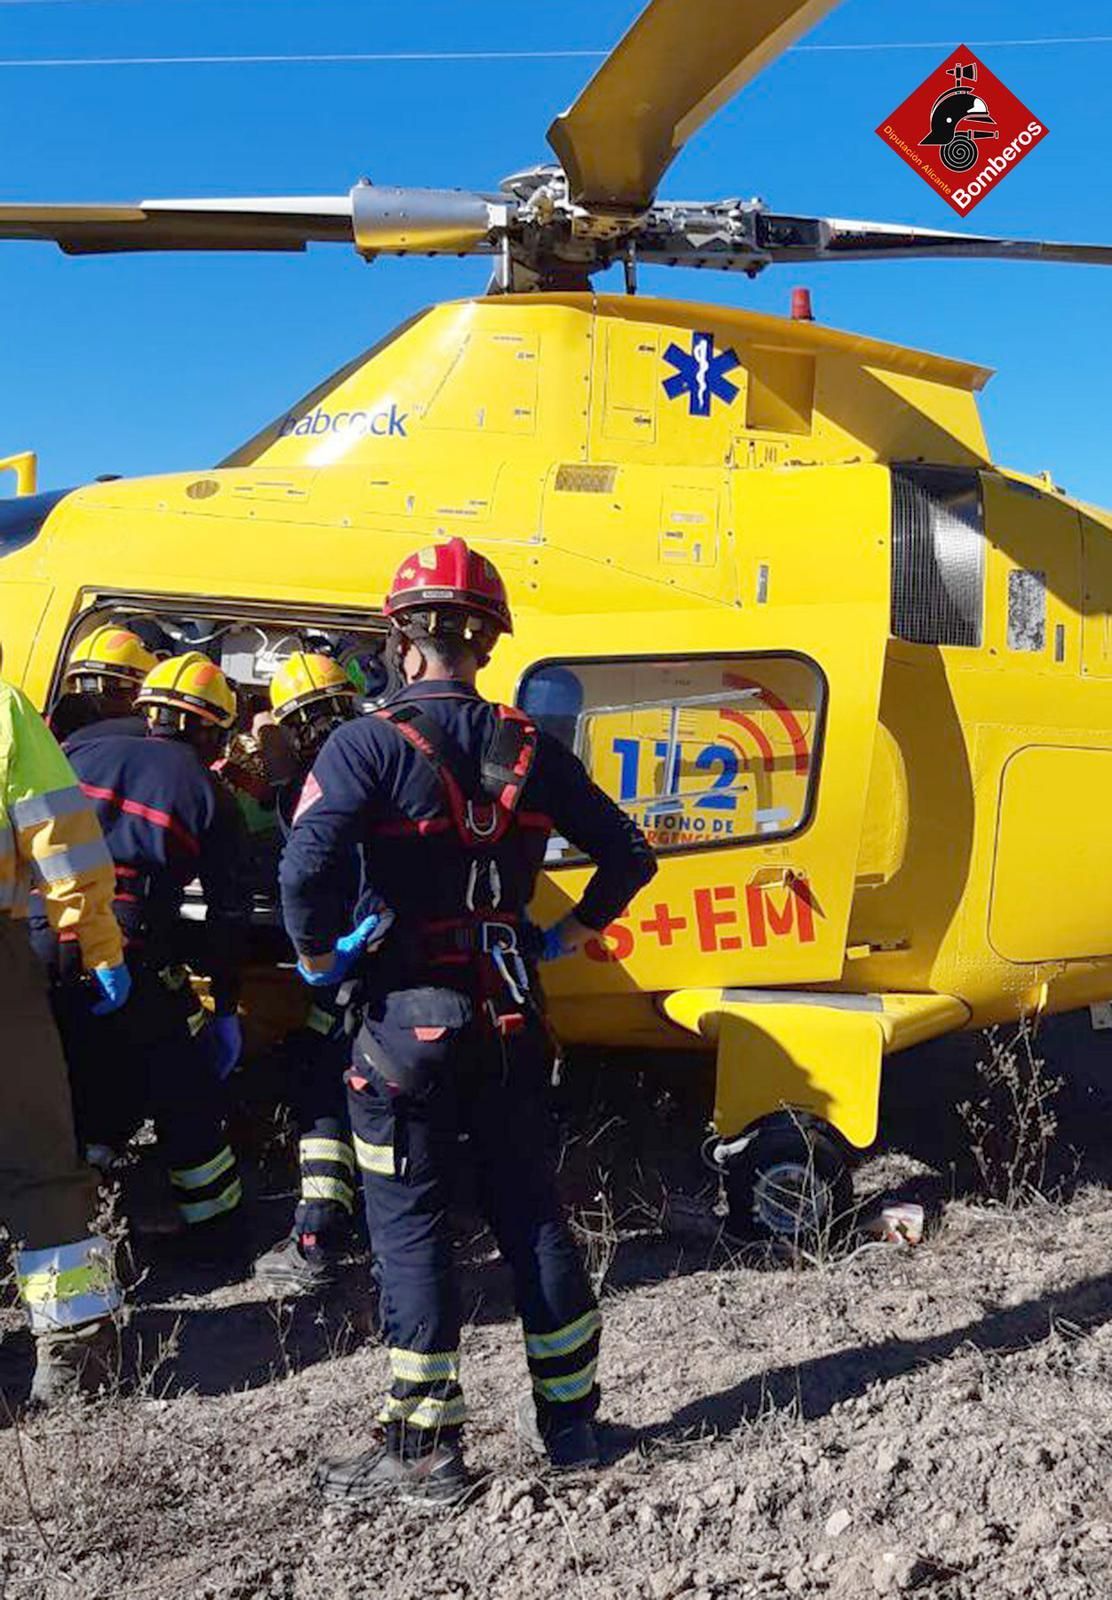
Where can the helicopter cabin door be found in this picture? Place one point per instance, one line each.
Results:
(740, 739)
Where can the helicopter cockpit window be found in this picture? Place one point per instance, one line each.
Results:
(713, 751)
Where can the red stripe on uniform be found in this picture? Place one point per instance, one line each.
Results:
(412, 825)
(151, 814)
(535, 819)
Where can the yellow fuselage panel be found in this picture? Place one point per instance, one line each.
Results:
(658, 479)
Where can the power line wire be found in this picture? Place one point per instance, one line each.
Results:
(401, 56)
(295, 60)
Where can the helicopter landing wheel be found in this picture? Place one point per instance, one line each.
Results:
(960, 154)
(790, 1186)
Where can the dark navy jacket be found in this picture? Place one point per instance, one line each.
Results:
(167, 820)
(370, 787)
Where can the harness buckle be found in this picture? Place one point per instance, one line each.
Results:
(504, 1022)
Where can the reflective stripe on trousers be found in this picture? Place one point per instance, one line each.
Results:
(425, 1392)
(564, 1363)
(208, 1189)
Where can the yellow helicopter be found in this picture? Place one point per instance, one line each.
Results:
(854, 679)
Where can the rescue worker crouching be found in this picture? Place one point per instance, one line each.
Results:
(50, 840)
(310, 696)
(104, 674)
(167, 820)
(453, 799)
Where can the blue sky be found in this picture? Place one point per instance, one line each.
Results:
(140, 365)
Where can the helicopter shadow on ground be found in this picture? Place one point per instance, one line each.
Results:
(815, 1386)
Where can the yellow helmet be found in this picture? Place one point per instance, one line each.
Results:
(304, 678)
(190, 683)
(111, 652)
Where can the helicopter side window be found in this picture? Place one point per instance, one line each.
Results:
(702, 752)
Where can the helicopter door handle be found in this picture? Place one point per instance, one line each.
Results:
(773, 878)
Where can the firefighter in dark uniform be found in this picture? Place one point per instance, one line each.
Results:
(104, 673)
(453, 799)
(310, 696)
(166, 821)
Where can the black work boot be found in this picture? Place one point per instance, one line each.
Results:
(301, 1263)
(570, 1444)
(73, 1361)
(434, 1474)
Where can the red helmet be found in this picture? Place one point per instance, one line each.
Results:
(450, 575)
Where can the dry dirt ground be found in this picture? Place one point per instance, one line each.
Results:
(935, 1421)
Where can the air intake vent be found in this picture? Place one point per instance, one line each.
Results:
(572, 478)
(938, 570)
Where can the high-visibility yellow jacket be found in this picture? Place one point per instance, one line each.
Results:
(50, 839)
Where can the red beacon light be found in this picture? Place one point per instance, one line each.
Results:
(801, 306)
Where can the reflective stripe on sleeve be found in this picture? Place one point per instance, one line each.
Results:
(204, 1210)
(377, 1158)
(317, 1188)
(317, 1149)
(566, 1339)
(75, 862)
(197, 1177)
(38, 808)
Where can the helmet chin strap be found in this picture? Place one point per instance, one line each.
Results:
(393, 655)
(415, 635)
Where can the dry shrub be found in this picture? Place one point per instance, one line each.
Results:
(595, 1229)
(1013, 1123)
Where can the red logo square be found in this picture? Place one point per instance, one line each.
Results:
(962, 131)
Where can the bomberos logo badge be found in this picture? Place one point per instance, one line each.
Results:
(962, 130)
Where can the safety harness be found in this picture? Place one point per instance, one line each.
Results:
(481, 819)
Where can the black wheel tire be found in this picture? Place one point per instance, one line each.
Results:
(960, 154)
(791, 1187)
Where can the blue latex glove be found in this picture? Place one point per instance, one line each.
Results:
(553, 946)
(114, 984)
(227, 1038)
(348, 950)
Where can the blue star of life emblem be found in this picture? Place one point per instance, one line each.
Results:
(701, 374)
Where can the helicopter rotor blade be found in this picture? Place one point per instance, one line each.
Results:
(680, 61)
(786, 239)
(731, 236)
(375, 219)
(278, 223)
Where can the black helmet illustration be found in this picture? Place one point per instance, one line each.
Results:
(958, 118)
